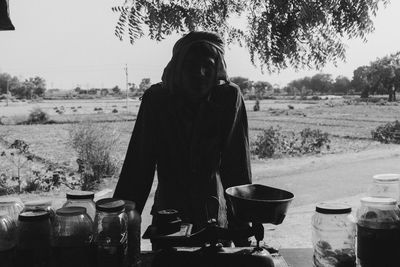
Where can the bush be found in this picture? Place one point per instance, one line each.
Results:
(37, 116)
(387, 133)
(256, 106)
(95, 145)
(273, 142)
(114, 110)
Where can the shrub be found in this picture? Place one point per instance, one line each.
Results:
(273, 142)
(95, 145)
(387, 133)
(114, 110)
(256, 106)
(37, 116)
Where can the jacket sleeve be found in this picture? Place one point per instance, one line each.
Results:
(235, 159)
(137, 172)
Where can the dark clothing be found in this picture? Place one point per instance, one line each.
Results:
(198, 152)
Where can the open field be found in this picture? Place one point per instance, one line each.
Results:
(349, 126)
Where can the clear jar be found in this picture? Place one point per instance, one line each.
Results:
(73, 234)
(378, 232)
(82, 199)
(40, 205)
(385, 185)
(13, 206)
(333, 235)
(111, 233)
(8, 239)
(34, 239)
(134, 233)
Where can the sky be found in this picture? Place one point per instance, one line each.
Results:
(72, 43)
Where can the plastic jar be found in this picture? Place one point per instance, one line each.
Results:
(333, 235)
(111, 233)
(385, 185)
(378, 232)
(13, 207)
(33, 239)
(8, 239)
(134, 236)
(40, 205)
(73, 234)
(82, 199)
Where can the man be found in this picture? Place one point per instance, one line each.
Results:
(193, 128)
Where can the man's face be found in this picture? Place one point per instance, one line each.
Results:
(198, 74)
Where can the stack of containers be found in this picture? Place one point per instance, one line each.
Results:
(378, 223)
(81, 233)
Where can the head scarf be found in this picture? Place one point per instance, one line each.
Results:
(171, 77)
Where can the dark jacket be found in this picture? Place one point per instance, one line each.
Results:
(197, 154)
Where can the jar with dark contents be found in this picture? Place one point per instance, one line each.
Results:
(13, 207)
(111, 233)
(8, 240)
(33, 239)
(333, 236)
(82, 199)
(40, 205)
(134, 233)
(72, 241)
(378, 232)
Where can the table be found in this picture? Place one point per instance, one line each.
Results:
(294, 257)
(297, 257)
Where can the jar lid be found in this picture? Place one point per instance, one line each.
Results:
(30, 216)
(386, 177)
(38, 202)
(80, 195)
(110, 205)
(71, 211)
(129, 205)
(378, 201)
(332, 208)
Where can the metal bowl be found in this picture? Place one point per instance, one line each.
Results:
(259, 203)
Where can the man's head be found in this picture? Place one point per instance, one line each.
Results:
(197, 65)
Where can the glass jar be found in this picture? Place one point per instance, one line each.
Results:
(134, 222)
(8, 239)
(73, 234)
(40, 205)
(33, 239)
(82, 199)
(385, 185)
(111, 233)
(333, 235)
(13, 207)
(378, 232)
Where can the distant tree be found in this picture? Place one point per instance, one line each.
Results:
(278, 33)
(144, 85)
(77, 89)
(384, 75)
(104, 92)
(132, 87)
(116, 90)
(321, 82)
(11, 81)
(301, 85)
(360, 81)
(39, 86)
(261, 88)
(244, 83)
(92, 91)
(342, 85)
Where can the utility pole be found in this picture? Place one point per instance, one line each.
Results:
(8, 83)
(127, 85)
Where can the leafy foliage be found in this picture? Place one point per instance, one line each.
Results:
(388, 133)
(37, 116)
(273, 142)
(278, 33)
(95, 146)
